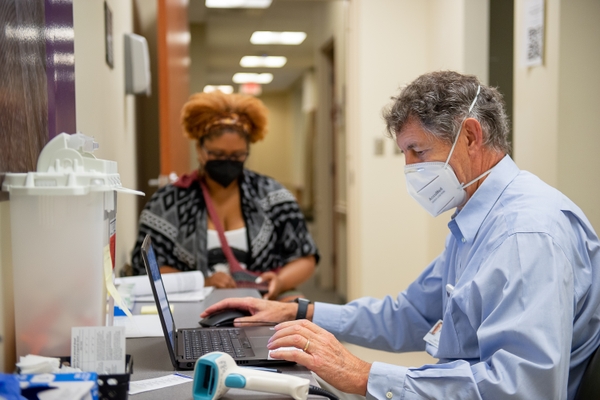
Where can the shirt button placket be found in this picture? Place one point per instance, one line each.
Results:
(459, 253)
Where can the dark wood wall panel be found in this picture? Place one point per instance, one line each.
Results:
(23, 96)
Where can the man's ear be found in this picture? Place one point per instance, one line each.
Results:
(473, 134)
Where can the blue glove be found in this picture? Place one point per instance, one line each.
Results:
(9, 387)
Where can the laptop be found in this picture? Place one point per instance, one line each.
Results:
(247, 345)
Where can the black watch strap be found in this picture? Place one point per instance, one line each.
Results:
(302, 308)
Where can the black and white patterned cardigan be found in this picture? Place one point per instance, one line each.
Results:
(176, 219)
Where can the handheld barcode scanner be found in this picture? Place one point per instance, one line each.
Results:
(215, 373)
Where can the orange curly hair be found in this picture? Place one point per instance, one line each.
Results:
(211, 114)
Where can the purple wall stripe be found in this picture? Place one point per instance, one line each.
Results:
(60, 67)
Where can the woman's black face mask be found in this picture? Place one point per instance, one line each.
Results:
(224, 172)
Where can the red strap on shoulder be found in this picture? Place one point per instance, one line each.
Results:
(234, 265)
(186, 180)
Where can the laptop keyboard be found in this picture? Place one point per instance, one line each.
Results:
(232, 341)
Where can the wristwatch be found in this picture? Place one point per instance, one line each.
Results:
(302, 307)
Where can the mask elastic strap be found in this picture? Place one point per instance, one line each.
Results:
(461, 124)
(476, 179)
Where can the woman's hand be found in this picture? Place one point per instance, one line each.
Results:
(274, 285)
(322, 353)
(289, 276)
(263, 311)
(165, 269)
(220, 280)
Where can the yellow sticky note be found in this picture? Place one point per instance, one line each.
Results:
(151, 309)
(110, 285)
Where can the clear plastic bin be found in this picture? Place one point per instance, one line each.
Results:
(60, 225)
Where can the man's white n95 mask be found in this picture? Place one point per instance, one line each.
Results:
(434, 185)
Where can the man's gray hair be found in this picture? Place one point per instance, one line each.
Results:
(440, 101)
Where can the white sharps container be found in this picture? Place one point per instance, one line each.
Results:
(62, 218)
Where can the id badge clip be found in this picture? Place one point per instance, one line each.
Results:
(433, 336)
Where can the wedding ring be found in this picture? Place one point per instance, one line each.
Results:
(307, 344)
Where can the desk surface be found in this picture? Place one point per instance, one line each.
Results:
(151, 357)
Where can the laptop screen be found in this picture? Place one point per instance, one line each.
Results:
(161, 295)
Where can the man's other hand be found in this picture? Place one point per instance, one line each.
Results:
(321, 353)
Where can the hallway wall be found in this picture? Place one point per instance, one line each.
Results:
(272, 156)
(330, 79)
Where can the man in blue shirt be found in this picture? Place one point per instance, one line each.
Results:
(511, 308)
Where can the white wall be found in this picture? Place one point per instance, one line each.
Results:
(104, 111)
(7, 322)
(579, 110)
(379, 238)
(556, 118)
(535, 117)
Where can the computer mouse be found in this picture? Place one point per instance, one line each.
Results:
(223, 318)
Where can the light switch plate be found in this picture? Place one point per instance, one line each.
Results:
(379, 147)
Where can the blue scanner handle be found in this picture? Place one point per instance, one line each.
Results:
(235, 381)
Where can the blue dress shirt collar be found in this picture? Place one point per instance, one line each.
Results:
(465, 223)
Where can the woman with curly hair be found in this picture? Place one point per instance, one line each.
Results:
(233, 224)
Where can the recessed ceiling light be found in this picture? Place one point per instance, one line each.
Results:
(227, 89)
(244, 77)
(238, 3)
(269, 37)
(263, 61)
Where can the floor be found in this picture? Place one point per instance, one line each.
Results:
(314, 293)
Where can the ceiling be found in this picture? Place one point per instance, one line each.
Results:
(227, 38)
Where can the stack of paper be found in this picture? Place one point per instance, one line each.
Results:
(180, 287)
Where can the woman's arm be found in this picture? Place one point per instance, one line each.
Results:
(291, 275)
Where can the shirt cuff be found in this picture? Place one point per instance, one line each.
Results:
(386, 381)
(328, 316)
